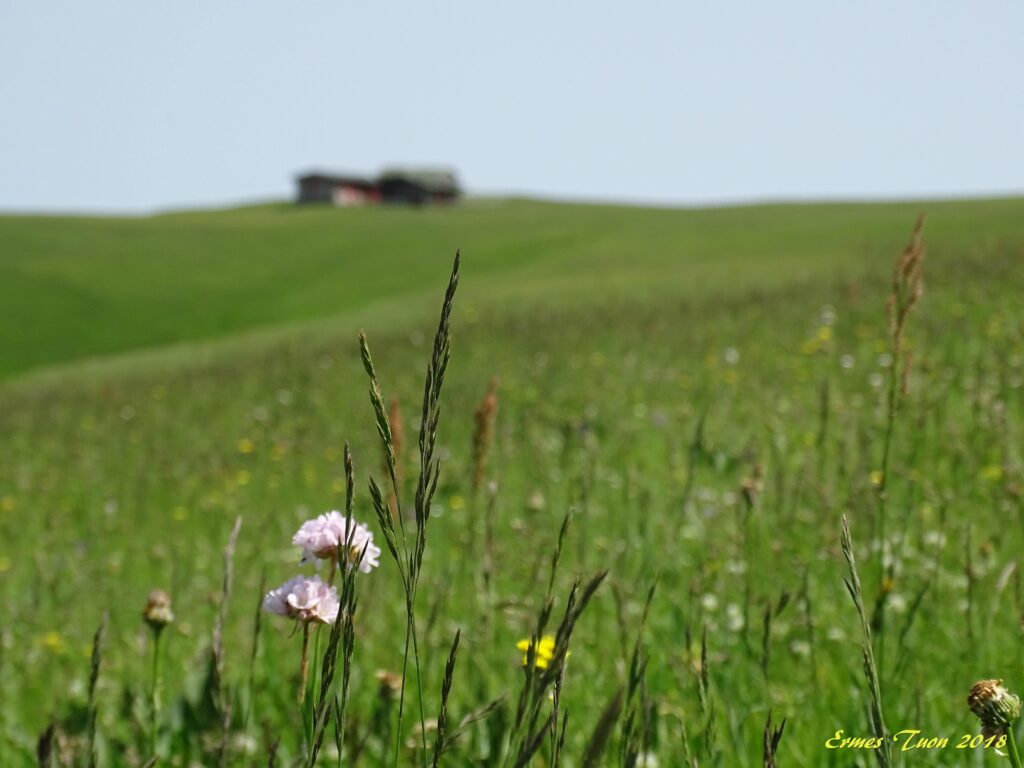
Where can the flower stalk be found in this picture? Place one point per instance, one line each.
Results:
(157, 615)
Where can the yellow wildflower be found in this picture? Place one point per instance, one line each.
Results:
(545, 651)
(876, 477)
(992, 473)
(245, 445)
(52, 641)
(457, 502)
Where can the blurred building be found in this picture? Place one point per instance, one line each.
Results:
(414, 186)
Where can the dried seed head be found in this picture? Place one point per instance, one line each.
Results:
(994, 705)
(483, 432)
(158, 613)
(389, 685)
(752, 486)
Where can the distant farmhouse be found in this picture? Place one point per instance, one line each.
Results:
(408, 187)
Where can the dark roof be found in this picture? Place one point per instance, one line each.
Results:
(434, 180)
(335, 178)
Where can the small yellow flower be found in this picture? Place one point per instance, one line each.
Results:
(245, 445)
(810, 346)
(824, 333)
(545, 651)
(52, 641)
(876, 477)
(992, 473)
(457, 502)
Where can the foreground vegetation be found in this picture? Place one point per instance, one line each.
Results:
(704, 395)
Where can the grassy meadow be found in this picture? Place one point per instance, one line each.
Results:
(704, 394)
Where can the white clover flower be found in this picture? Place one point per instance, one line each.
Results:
(800, 648)
(304, 599)
(320, 537)
(734, 617)
(897, 602)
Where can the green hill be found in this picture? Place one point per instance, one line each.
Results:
(74, 288)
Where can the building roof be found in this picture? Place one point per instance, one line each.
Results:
(437, 180)
(341, 179)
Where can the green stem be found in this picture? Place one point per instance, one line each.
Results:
(304, 665)
(1011, 744)
(315, 685)
(154, 697)
(419, 687)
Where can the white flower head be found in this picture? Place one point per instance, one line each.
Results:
(304, 599)
(321, 536)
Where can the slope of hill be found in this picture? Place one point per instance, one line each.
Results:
(76, 288)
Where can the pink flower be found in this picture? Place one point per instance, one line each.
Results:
(320, 537)
(304, 599)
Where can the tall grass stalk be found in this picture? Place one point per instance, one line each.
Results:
(94, 676)
(704, 700)
(222, 699)
(876, 715)
(528, 731)
(408, 555)
(907, 287)
(598, 742)
(633, 737)
(342, 636)
(257, 626)
(770, 742)
(446, 687)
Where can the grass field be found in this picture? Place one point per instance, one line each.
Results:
(705, 392)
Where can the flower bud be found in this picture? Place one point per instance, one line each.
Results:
(389, 685)
(996, 707)
(158, 613)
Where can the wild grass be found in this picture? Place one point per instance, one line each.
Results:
(709, 445)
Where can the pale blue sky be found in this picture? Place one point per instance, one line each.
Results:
(147, 105)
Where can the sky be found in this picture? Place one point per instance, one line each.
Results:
(144, 106)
